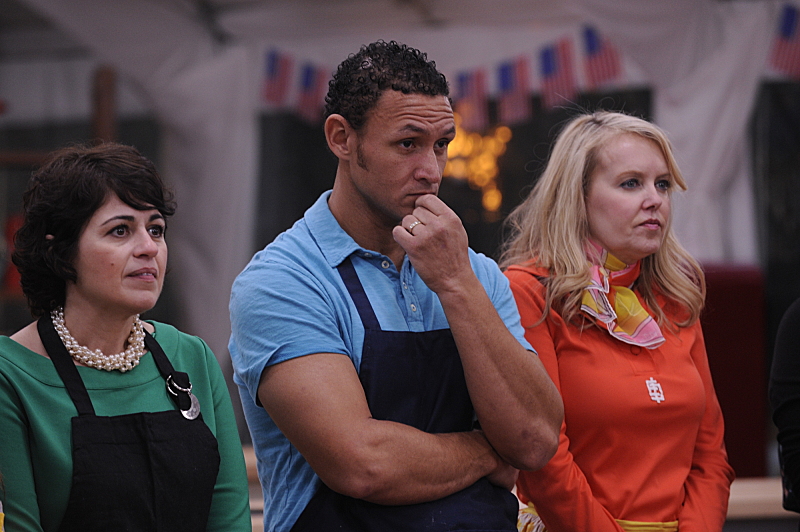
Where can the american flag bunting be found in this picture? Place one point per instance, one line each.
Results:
(601, 60)
(785, 55)
(513, 104)
(471, 102)
(558, 78)
(313, 80)
(276, 77)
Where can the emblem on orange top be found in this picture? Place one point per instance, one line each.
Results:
(654, 389)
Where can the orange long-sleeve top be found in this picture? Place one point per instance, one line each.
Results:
(642, 438)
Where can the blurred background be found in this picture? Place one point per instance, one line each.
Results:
(226, 97)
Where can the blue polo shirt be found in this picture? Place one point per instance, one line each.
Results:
(290, 301)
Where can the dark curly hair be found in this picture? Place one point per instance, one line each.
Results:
(61, 198)
(361, 79)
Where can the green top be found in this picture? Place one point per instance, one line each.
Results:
(35, 427)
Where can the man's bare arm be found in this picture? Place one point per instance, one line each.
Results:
(318, 402)
(518, 406)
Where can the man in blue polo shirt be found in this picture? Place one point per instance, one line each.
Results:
(384, 373)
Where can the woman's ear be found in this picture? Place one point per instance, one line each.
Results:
(338, 133)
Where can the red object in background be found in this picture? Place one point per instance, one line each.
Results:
(11, 278)
(734, 326)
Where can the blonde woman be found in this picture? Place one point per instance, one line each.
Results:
(611, 301)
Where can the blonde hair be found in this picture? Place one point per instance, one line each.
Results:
(550, 228)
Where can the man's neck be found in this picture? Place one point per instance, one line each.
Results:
(368, 230)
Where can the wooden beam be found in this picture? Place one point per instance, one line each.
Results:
(22, 159)
(104, 99)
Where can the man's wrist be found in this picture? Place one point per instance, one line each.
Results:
(487, 459)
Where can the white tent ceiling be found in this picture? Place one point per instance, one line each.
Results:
(23, 30)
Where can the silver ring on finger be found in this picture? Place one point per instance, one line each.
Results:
(412, 226)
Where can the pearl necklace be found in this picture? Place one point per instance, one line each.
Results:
(125, 361)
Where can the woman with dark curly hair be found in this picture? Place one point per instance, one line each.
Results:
(109, 422)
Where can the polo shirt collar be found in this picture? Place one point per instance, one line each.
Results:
(334, 243)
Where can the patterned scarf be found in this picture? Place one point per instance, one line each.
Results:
(610, 300)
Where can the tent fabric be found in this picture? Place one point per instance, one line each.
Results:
(704, 77)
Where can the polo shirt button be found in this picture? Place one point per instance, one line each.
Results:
(385, 264)
(413, 307)
(635, 349)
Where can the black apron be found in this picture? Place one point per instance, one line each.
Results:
(136, 472)
(415, 378)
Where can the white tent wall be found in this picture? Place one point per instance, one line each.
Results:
(704, 61)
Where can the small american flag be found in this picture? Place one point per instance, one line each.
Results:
(312, 87)
(471, 102)
(786, 47)
(602, 60)
(558, 78)
(514, 104)
(277, 75)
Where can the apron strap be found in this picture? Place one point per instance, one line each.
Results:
(65, 366)
(357, 293)
(68, 371)
(181, 394)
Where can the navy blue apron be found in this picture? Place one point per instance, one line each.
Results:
(415, 378)
(145, 472)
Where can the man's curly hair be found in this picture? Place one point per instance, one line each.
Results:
(361, 79)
